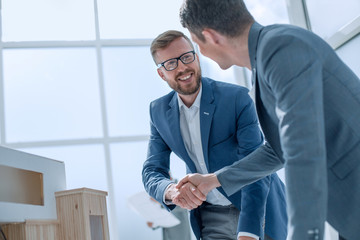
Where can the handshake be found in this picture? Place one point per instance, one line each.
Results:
(191, 191)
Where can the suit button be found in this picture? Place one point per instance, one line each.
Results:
(313, 234)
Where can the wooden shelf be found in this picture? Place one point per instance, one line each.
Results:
(32, 230)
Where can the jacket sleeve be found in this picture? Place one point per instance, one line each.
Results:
(258, 164)
(155, 173)
(253, 196)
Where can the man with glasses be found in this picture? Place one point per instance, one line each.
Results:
(209, 125)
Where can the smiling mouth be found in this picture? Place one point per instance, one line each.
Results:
(186, 77)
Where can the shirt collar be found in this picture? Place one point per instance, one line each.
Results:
(196, 102)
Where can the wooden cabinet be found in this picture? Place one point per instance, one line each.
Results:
(81, 215)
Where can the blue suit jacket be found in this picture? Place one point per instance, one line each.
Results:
(229, 132)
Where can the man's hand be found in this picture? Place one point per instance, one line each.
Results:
(190, 197)
(204, 183)
(187, 196)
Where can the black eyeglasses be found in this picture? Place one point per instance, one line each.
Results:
(172, 63)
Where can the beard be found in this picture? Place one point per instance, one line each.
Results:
(190, 90)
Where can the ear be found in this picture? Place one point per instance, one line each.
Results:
(212, 36)
(161, 74)
(197, 57)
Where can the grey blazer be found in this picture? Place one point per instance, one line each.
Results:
(308, 103)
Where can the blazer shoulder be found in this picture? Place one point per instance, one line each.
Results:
(284, 52)
(278, 36)
(162, 102)
(279, 31)
(226, 88)
(232, 93)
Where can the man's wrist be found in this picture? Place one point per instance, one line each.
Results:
(214, 180)
(168, 194)
(247, 234)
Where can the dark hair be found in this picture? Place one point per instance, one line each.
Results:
(164, 40)
(228, 17)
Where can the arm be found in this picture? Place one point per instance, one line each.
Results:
(231, 178)
(155, 173)
(156, 177)
(253, 196)
(246, 171)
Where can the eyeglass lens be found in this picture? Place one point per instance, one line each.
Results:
(186, 58)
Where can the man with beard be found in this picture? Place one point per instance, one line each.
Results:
(209, 125)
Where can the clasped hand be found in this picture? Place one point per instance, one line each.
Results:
(186, 196)
(191, 191)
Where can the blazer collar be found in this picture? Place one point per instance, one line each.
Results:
(253, 41)
(207, 96)
(206, 114)
(254, 35)
(173, 102)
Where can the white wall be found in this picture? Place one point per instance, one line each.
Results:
(53, 181)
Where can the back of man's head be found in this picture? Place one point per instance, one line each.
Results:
(228, 17)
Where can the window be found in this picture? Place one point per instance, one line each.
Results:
(337, 23)
(77, 81)
(119, 20)
(334, 15)
(131, 83)
(51, 94)
(42, 20)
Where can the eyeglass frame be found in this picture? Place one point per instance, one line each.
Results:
(177, 61)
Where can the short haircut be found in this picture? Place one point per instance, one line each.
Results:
(164, 40)
(228, 17)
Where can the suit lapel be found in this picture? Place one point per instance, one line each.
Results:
(257, 99)
(254, 36)
(173, 119)
(268, 126)
(207, 109)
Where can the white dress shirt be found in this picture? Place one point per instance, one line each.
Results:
(191, 135)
